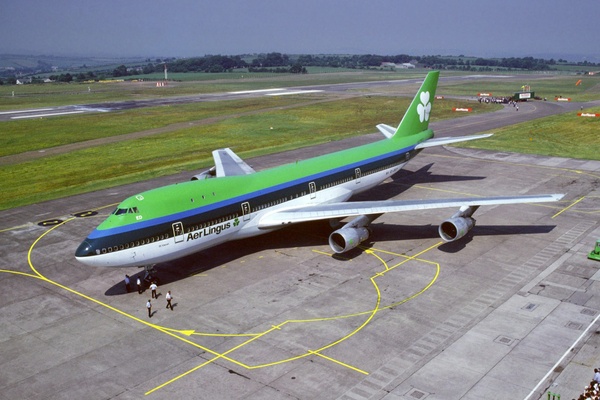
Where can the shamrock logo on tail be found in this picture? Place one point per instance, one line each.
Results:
(425, 108)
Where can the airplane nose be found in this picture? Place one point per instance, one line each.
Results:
(84, 250)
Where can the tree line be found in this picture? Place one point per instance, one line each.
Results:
(294, 64)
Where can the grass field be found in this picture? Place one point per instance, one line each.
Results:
(185, 148)
(36, 134)
(243, 125)
(565, 135)
(549, 87)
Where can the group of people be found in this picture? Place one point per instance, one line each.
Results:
(592, 391)
(138, 283)
(153, 287)
(168, 297)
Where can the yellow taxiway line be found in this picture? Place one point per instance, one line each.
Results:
(185, 334)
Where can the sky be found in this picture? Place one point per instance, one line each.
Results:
(187, 28)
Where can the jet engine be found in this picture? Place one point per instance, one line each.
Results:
(350, 235)
(458, 225)
(209, 173)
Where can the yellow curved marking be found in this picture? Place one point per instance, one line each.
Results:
(20, 273)
(167, 331)
(318, 351)
(352, 333)
(371, 252)
(175, 333)
(372, 314)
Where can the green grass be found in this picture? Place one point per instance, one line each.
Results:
(549, 87)
(566, 135)
(186, 148)
(189, 149)
(19, 136)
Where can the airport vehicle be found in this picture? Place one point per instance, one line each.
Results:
(232, 201)
(595, 254)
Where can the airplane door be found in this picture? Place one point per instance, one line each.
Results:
(246, 211)
(178, 232)
(357, 175)
(312, 188)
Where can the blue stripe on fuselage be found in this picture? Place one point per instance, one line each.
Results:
(240, 199)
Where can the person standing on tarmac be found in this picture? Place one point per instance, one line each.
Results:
(153, 287)
(169, 297)
(127, 284)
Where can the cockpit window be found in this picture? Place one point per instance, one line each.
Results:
(132, 210)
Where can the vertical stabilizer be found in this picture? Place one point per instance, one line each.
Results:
(416, 118)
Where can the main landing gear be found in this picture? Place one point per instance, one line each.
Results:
(150, 275)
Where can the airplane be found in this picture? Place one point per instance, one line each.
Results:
(232, 201)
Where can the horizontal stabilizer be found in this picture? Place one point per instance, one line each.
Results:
(229, 164)
(350, 209)
(387, 130)
(448, 140)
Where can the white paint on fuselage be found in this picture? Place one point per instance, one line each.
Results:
(204, 238)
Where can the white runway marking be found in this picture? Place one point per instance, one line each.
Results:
(47, 115)
(25, 111)
(294, 92)
(257, 91)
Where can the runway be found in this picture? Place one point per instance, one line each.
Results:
(280, 317)
(339, 88)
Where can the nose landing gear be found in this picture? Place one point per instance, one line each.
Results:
(150, 275)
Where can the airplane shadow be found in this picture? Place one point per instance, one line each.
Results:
(403, 180)
(424, 175)
(389, 232)
(310, 235)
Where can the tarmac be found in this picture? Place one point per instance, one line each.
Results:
(508, 312)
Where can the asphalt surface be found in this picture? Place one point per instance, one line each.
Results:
(508, 312)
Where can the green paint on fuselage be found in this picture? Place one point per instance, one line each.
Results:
(186, 196)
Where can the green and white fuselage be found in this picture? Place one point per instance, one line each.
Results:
(178, 220)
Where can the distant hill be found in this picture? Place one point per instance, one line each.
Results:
(32, 62)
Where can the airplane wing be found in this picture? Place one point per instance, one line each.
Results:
(228, 163)
(389, 131)
(447, 140)
(349, 209)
